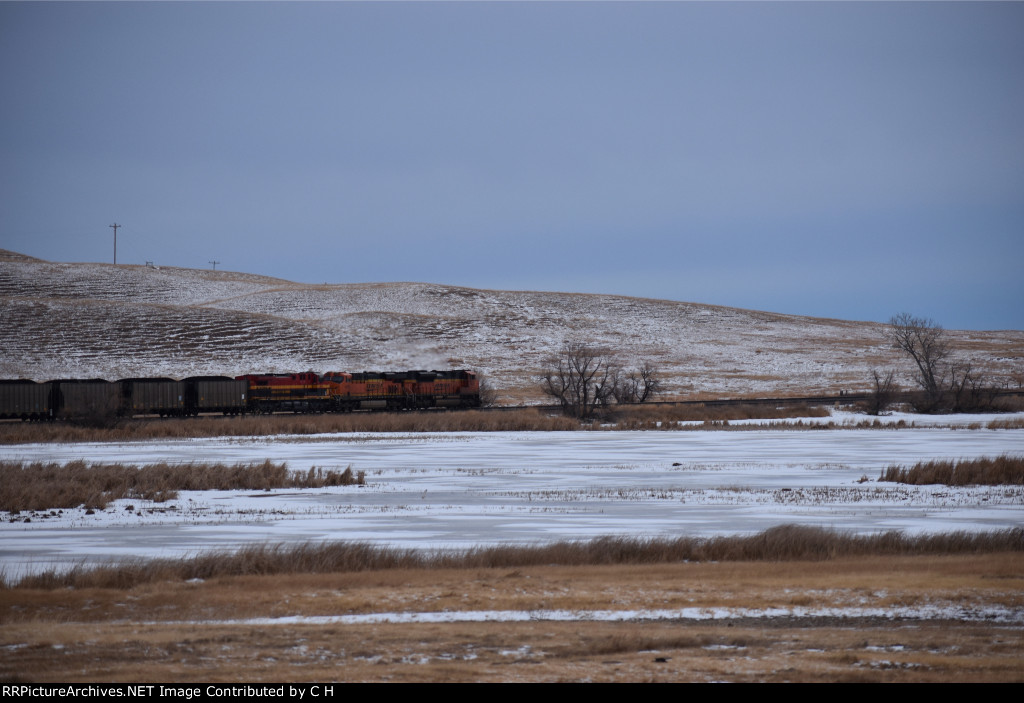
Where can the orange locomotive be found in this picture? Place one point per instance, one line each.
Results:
(343, 392)
(295, 392)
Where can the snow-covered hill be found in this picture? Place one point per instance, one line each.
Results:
(100, 320)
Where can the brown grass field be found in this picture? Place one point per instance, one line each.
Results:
(524, 419)
(176, 630)
(632, 417)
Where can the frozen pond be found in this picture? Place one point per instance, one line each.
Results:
(464, 489)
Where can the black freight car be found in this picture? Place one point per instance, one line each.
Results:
(26, 400)
(87, 399)
(152, 396)
(216, 394)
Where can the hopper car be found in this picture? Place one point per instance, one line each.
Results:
(26, 400)
(307, 392)
(80, 398)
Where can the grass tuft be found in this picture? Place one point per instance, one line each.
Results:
(53, 486)
(1014, 423)
(1001, 471)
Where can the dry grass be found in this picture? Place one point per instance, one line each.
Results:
(264, 425)
(648, 416)
(1001, 471)
(783, 543)
(1009, 404)
(199, 631)
(829, 650)
(526, 419)
(1016, 423)
(52, 486)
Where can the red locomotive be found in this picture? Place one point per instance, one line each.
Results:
(297, 392)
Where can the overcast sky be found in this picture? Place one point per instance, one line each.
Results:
(834, 159)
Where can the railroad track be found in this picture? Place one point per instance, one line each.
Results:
(834, 399)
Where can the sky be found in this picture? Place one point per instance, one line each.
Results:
(843, 160)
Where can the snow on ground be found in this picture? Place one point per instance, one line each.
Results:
(124, 321)
(848, 419)
(991, 614)
(459, 490)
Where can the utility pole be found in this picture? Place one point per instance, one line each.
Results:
(214, 264)
(115, 226)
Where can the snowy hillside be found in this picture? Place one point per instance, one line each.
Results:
(99, 320)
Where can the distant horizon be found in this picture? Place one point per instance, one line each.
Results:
(840, 160)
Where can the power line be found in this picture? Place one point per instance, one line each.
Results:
(115, 226)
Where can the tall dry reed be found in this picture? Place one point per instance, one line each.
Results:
(297, 424)
(50, 486)
(782, 543)
(633, 417)
(1003, 470)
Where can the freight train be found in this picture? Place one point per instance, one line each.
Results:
(307, 392)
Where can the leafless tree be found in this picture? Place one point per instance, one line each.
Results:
(924, 341)
(971, 390)
(881, 396)
(961, 380)
(637, 385)
(648, 382)
(983, 392)
(488, 393)
(581, 379)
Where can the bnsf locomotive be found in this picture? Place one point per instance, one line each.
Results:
(342, 392)
(252, 393)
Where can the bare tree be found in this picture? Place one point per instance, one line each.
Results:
(648, 382)
(881, 396)
(983, 392)
(961, 380)
(488, 393)
(581, 379)
(638, 385)
(924, 341)
(971, 390)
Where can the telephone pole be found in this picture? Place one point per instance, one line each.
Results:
(115, 226)
(214, 264)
